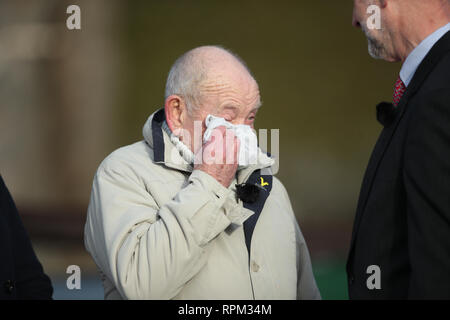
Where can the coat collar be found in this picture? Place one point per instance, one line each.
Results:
(387, 114)
(165, 152)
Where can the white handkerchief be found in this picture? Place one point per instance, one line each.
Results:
(248, 150)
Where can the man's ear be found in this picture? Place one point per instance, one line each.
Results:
(175, 110)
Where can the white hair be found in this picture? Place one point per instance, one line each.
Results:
(186, 75)
(184, 78)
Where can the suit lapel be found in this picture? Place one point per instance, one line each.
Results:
(375, 159)
(427, 65)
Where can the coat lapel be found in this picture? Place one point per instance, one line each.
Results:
(265, 184)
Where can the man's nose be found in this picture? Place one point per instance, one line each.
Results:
(355, 21)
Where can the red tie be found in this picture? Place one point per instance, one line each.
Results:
(399, 91)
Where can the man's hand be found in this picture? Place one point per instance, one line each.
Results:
(219, 156)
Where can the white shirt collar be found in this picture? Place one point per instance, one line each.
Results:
(416, 56)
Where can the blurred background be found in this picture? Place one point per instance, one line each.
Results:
(68, 98)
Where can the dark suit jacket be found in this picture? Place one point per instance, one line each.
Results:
(21, 274)
(402, 222)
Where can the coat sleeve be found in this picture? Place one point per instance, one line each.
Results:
(427, 186)
(306, 284)
(30, 280)
(147, 251)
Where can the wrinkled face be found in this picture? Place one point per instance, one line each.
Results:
(379, 40)
(231, 94)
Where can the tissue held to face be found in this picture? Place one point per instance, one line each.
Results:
(248, 141)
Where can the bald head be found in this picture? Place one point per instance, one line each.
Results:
(193, 74)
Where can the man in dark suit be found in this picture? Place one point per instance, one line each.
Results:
(21, 274)
(400, 246)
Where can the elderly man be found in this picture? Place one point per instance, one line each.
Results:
(401, 238)
(163, 225)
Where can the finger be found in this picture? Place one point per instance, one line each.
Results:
(229, 139)
(222, 130)
(230, 133)
(237, 145)
(230, 146)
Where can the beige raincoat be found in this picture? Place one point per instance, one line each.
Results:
(159, 230)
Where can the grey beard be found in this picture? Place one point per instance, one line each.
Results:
(375, 47)
(376, 50)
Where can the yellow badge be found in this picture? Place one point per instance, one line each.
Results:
(263, 183)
